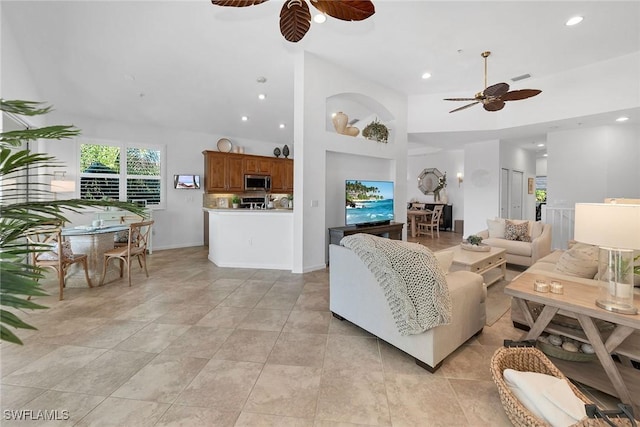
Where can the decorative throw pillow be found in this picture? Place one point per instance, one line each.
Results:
(121, 236)
(445, 259)
(513, 231)
(496, 228)
(580, 261)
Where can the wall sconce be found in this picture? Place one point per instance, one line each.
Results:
(61, 185)
(460, 179)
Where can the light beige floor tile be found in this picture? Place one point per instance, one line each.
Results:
(327, 423)
(265, 320)
(344, 327)
(268, 275)
(224, 317)
(105, 374)
(14, 397)
(317, 300)
(247, 346)
(198, 341)
(480, 402)
(310, 322)
(185, 314)
(53, 367)
(467, 362)
(248, 419)
(146, 312)
(243, 298)
(162, 380)
(211, 296)
(423, 400)
(63, 408)
(299, 349)
(397, 361)
(286, 390)
(353, 397)
(13, 357)
(109, 334)
(187, 416)
(124, 412)
(153, 338)
(64, 331)
(359, 354)
(278, 301)
(221, 384)
(257, 285)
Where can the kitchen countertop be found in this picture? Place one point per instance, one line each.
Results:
(247, 211)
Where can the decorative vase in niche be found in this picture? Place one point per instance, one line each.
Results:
(276, 152)
(340, 121)
(285, 151)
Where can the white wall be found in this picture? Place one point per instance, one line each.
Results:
(541, 167)
(588, 165)
(482, 184)
(317, 80)
(517, 159)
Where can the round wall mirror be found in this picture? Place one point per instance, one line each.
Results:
(428, 180)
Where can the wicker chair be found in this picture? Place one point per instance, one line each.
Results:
(136, 247)
(432, 223)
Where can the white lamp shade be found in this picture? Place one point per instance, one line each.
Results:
(60, 186)
(610, 225)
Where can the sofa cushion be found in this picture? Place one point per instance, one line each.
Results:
(552, 258)
(496, 228)
(512, 247)
(445, 259)
(580, 261)
(535, 229)
(515, 231)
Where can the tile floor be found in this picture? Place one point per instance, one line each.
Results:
(199, 345)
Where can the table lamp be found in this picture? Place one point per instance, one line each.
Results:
(615, 228)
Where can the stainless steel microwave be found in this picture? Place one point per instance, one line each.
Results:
(257, 183)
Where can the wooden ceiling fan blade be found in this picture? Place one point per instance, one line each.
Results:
(460, 99)
(494, 105)
(496, 90)
(346, 10)
(237, 3)
(466, 106)
(516, 95)
(295, 20)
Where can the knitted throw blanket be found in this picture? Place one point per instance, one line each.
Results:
(413, 283)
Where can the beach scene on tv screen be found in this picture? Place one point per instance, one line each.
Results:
(368, 201)
(187, 181)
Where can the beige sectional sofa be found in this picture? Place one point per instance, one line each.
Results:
(356, 296)
(519, 252)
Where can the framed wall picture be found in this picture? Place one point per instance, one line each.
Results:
(531, 186)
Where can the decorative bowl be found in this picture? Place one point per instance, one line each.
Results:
(482, 247)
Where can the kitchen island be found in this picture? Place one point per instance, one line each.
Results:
(251, 238)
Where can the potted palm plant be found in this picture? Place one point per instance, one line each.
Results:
(25, 203)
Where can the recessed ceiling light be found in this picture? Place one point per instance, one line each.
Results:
(261, 79)
(245, 118)
(541, 145)
(262, 96)
(622, 119)
(573, 21)
(426, 75)
(282, 125)
(545, 155)
(320, 18)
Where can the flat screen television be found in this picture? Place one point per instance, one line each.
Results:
(368, 202)
(187, 182)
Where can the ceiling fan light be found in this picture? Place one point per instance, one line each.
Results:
(574, 21)
(319, 18)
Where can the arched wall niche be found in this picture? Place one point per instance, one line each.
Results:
(361, 110)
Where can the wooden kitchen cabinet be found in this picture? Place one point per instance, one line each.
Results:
(288, 175)
(281, 176)
(223, 172)
(258, 165)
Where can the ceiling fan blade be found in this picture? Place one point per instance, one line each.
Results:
(460, 99)
(466, 106)
(237, 3)
(497, 89)
(494, 105)
(295, 20)
(516, 95)
(346, 10)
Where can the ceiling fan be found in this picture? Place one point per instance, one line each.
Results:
(295, 18)
(494, 96)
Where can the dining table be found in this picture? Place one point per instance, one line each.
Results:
(413, 215)
(93, 242)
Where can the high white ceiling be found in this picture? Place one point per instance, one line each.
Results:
(192, 65)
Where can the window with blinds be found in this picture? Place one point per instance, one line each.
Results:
(121, 172)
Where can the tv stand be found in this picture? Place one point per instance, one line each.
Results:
(392, 230)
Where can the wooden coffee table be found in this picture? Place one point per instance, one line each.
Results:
(492, 265)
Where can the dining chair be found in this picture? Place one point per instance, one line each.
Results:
(51, 251)
(432, 223)
(136, 247)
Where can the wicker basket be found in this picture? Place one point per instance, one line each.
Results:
(532, 360)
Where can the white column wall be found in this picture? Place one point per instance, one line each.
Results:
(482, 184)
